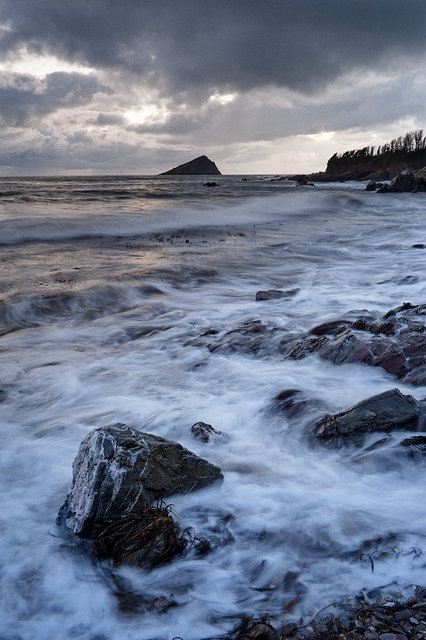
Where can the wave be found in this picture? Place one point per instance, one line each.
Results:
(95, 223)
(70, 306)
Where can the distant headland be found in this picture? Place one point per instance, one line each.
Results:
(404, 154)
(402, 161)
(201, 166)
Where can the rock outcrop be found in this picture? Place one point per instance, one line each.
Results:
(395, 341)
(388, 411)
(201, 166)
(406, 182)
(120, 470)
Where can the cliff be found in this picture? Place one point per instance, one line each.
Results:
(406, 153)
(200, 166)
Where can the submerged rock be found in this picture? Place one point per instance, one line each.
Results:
(271, 294)
(252, 338)
(120, 470)
(293, 403)
(205, 432)
(415, 446)
(387, 411)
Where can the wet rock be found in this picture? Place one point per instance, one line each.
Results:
(252, 338)
(330, 328)
(415, 446)
(388, 411)
(293, 403)
(120, 470)
(211, 184)
(302, 181)
(253, 629)
(373, 185)
(406, 181)
(418, 245)
(271, 294)
(395, 341)
(205, 432)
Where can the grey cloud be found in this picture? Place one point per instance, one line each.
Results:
(250, 119)
(24, 99)
(107, 119)
(242, 44)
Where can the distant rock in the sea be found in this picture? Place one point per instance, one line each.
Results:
(201, 166)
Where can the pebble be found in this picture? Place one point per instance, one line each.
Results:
(414, 621)
(400, 616)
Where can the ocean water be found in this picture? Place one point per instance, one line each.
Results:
(107, 287)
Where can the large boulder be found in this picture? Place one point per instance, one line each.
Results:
(120, 470)
(201, 166)
(387, 411)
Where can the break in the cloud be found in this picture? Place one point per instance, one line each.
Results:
(139, 85)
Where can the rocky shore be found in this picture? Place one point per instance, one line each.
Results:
(122, 476)
(389, 617)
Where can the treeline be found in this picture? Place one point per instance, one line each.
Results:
(405, 152)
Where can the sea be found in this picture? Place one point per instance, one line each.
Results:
(117, 294)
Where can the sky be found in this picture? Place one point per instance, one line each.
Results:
(260, 86)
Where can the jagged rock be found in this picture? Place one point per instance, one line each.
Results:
(386, 411)
(205, 432)
(271, 294)
(201, 166)
(252, 338)
(406, 181)
(293, 403)
(416, 446)
(121, 470)
(395, 341)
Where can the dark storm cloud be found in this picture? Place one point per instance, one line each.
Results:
(22, 98)
(241, 44)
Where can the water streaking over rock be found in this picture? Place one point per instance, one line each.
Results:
(133, 301)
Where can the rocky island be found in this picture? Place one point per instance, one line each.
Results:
(201, 166)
